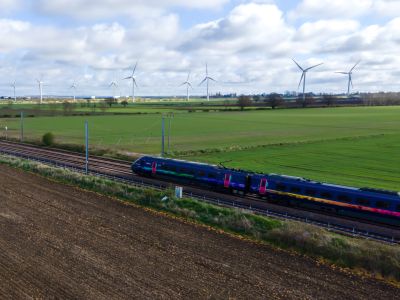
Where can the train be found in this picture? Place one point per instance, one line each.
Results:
(374, 205)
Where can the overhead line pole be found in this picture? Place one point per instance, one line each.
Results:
(87, 147)
(22, 127)
(162, 134)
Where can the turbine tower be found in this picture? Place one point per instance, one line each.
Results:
(207, 79)
(40, 83)
(188, 85)
(349, 74)
(303, 77)
(13, 85)
(132, 77)
(114, 85)
(73, 87)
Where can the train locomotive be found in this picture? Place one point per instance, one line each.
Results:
(374, 205)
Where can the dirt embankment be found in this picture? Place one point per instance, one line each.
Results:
(58, 241)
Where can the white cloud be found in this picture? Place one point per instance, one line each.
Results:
(111, 8)
(7, 5)
(248, 50)
(337, 9)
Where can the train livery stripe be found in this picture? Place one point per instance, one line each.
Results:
(336, 203)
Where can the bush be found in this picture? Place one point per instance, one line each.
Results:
(48, 139)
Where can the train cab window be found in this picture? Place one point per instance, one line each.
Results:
(362, 201)
(310, 192)
(280, 187)
(326, 195)
(295, 189)
(344, 198)
(382, 204)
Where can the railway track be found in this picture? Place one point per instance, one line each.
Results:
(120, 170)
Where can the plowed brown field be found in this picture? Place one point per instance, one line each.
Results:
(60, 242)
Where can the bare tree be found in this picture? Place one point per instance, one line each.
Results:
(244, 101)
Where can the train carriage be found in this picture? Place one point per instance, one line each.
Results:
(362, 203)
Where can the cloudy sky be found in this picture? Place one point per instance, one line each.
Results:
(248, 45)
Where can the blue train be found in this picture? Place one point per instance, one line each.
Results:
(364, 203)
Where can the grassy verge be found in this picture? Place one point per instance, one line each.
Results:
(378, 259)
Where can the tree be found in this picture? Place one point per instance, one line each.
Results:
(110, 101)
(274, 100)
(329, 100)
(67, 107)
(48, 139)
(309, 99)
(244, 101)
(124, 103)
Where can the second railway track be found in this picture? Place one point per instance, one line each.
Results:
(120, 170)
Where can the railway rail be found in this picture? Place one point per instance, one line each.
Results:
(120, 170)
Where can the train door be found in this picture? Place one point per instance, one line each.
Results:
(227, 180)
(153, 168)
(263, 186)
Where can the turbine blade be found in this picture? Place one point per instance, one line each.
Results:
(203, 81)
(297, 64)
(206, 69)
(351, 81)
(301, 79)
(187, 80)
(134, 69)
(182, 84)
(129, 77)
(189, 84)
(212, 79)
(134, 81)
(342, 73)
(313, 67)
(355, 66)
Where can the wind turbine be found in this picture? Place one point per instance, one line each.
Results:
(207, 79)
(13, 85)
(132, 77)
(114, 85)
(350, 81)
(40, 83)
(303, 77)
(73, 86)
(188, 85)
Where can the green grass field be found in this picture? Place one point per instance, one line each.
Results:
(357, 146)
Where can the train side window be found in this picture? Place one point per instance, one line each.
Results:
(173, 169)
(183, 170)
(326, 195)
(202, 173)
(295, 189)
(398, 208)
(310, 192)
(362, 201)
(344, 198)
(211, 175)
(382, 204)
(280, 187)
